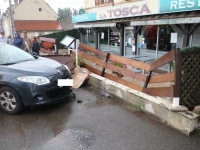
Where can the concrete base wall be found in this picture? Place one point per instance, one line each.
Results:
(186, 122)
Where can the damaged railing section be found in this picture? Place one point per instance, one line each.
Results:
(105, 60)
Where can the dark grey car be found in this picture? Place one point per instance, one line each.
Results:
(30, 81)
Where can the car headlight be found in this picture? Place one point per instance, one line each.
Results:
(39, 80)
(67, 68)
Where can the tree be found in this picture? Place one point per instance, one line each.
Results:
(64, 13)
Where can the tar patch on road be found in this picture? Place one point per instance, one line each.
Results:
(72, 139)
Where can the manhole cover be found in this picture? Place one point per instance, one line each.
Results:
(77, 139)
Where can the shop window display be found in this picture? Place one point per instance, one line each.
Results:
(148, 38)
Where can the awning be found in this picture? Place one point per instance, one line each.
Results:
(158, 19)
(92, 25)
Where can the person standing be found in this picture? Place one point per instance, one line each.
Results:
(35, 47)
(18, 40)
(3, 39)
(133, 46)
(10, 40)
(26, 42)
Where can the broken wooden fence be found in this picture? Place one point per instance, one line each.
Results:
(86, 52)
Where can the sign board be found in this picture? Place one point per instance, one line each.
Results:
(174, 37)
(67, 40)
(167, 6)
(167, 21)
(84, 17)
(131, 9)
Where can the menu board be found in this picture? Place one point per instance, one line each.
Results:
(115, 38)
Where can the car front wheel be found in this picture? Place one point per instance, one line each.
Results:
(10, 101)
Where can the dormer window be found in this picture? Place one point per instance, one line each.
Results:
(40, 9)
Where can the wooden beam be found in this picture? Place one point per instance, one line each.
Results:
(147, 79)
(160, 91)
(113, 78)
(91, 58)
(125, 72)
(166, 58)
(193, 29)
(178, 67)
(162, 78)
(106, 60)
(92, 50)
(122, 39)
(180, 28)
(131, 62)
(186, 35)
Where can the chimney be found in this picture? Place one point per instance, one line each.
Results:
(16, 2)
(20, 1)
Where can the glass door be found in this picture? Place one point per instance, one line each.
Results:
(128, 38)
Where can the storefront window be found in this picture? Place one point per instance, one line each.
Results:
(164, 38)
(148, 38)
(88, 36)
(196, 37)
(114, 36)
(104, 36)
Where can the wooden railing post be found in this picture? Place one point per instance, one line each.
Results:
(148, 79)
(178, 69)
(106, 60)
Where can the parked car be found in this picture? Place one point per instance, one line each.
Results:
(27, 80)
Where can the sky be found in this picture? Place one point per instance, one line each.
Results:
(55, 4)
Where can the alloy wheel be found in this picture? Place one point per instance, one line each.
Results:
(7, 101)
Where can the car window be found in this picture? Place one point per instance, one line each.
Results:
(10, 54)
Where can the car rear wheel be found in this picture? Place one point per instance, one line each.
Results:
(10, 101)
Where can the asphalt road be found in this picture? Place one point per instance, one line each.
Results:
(92, 122)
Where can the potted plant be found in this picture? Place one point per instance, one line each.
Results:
(80, 61)
(118, 64)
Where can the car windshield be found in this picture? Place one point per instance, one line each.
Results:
(10, 55)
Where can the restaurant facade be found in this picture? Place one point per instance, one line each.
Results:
(145, 27)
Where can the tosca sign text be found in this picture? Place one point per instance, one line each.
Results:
(178, 5)
(84, 18)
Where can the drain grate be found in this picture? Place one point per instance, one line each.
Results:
(77, 139)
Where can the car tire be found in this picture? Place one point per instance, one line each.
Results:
(10, 101)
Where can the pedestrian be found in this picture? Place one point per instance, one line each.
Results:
(38, 40)
(10, 40)
(26, 42)
(35, 47)
(3, 39)
(133, 46)
(18, 40)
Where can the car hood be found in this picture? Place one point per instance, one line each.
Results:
(38, 67)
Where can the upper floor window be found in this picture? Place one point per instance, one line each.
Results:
(100, 2)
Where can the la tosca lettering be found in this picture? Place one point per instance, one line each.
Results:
(129, 11)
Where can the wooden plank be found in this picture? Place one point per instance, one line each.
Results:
(168, 57)
(160, 91)
(125, 72)
(91, 58)
(113, 78)
(92, 69)
(162, 78)
(92, 50)
(131, 62)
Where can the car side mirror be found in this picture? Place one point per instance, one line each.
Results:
(35, 55)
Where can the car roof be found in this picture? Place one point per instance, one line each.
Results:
(2, 43)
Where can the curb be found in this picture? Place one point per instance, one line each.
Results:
(185, 122)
